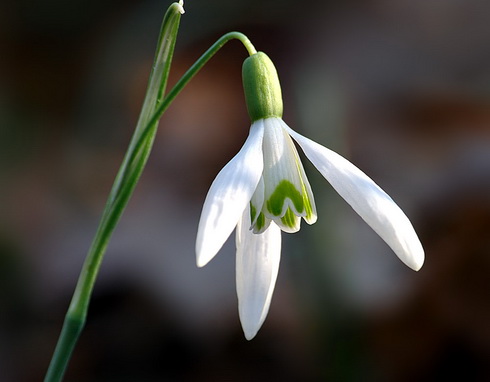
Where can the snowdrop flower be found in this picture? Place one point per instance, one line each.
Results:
(263, 190)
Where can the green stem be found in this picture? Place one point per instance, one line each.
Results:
(126, 179)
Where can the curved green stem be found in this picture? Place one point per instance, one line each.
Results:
(194, 69)
(191, 72)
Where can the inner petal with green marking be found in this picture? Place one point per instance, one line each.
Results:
(284, 194)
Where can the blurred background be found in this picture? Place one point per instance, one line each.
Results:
(400, 87)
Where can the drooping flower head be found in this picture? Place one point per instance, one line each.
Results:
(283, 194)
(263, 190)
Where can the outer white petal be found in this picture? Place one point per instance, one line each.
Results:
(228, 196)
(257, 265)
(367, 199)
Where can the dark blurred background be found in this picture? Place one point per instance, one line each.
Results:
(400, 87)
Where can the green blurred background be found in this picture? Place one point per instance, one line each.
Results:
(400, 87)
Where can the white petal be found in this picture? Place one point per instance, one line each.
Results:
(228, 196)
(257, 265)
(367, 199)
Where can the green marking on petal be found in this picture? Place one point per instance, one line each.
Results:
(260, 223)
(253, 212)
(307, 202)
(289, 219)
(285, 189)
(309, 209)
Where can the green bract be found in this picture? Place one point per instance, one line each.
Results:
(262, 88)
